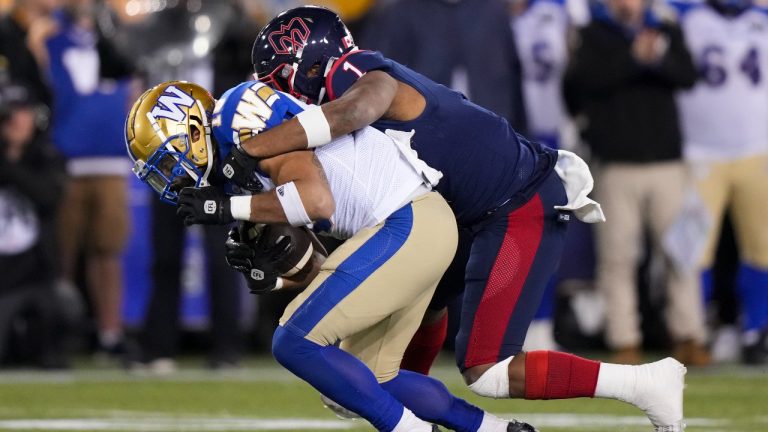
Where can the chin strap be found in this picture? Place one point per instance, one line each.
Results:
(208, 145)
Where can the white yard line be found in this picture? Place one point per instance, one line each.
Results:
(159, 422)
(563, 420)
(116, 375)
(175, 424)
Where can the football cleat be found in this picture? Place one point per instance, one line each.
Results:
(518, 426)
(339, 410)
(659, 392)
(756, 353)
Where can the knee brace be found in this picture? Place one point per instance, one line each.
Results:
(494, 383)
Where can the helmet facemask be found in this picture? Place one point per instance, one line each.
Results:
(296, 81)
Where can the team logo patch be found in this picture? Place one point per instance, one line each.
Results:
(209, 207)
(290, 38)
(228, 171)
(257, 274)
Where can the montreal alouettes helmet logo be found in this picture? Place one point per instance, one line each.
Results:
(290, 38)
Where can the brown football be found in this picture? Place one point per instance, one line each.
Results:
(301, 246)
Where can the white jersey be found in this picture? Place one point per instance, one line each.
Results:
(540, 35)
(725, 116)
(369, 178)
(370, 174)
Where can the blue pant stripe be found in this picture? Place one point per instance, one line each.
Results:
(353, 271)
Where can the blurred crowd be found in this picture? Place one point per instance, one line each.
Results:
(667, 100)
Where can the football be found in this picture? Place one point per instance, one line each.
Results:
(301, 245)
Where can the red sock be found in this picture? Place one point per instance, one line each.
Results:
(556, 375)
(425, 346)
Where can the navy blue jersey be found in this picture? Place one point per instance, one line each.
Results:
(484, 161)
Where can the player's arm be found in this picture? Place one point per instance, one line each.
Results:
(302, 196)
(366, 101)
(302, 193)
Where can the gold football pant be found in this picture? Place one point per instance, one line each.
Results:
(371, 293)
(742, 187)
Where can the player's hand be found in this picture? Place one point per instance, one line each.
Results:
(206, 205)
(260, 263)
(240, 168)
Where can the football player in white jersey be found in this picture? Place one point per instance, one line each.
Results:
(541, 33)
(725, 129)
(368, 188)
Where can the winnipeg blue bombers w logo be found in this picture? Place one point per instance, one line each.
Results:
(169, 103)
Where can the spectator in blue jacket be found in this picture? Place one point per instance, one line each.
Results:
(91, 89)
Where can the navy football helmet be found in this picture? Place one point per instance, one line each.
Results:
(295, 51)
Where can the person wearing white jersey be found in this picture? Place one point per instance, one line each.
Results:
(541, 30)
(725, 129)
(368, 188)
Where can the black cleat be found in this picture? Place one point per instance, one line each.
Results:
(435, 428)
(757, 353)
(518, 426)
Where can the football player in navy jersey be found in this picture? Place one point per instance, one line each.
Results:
(513, 198)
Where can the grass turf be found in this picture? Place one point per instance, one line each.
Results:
(730, 399)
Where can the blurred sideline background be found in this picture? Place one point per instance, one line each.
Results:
(98, 277)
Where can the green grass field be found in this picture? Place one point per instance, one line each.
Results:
(262, 396)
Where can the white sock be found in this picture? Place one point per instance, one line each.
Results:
(615, 381)
(491, 423)
(410, 423)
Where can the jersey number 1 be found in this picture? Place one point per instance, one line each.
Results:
(347, 66)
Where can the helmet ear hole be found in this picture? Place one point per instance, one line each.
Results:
(314, 70)
(195, 133)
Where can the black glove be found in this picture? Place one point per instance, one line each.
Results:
(206, 205)
(257, 261)
(240, 168)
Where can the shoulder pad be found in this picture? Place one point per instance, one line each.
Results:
(248, 109)
(351, 67)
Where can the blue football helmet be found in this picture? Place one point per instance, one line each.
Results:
(295, 51)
